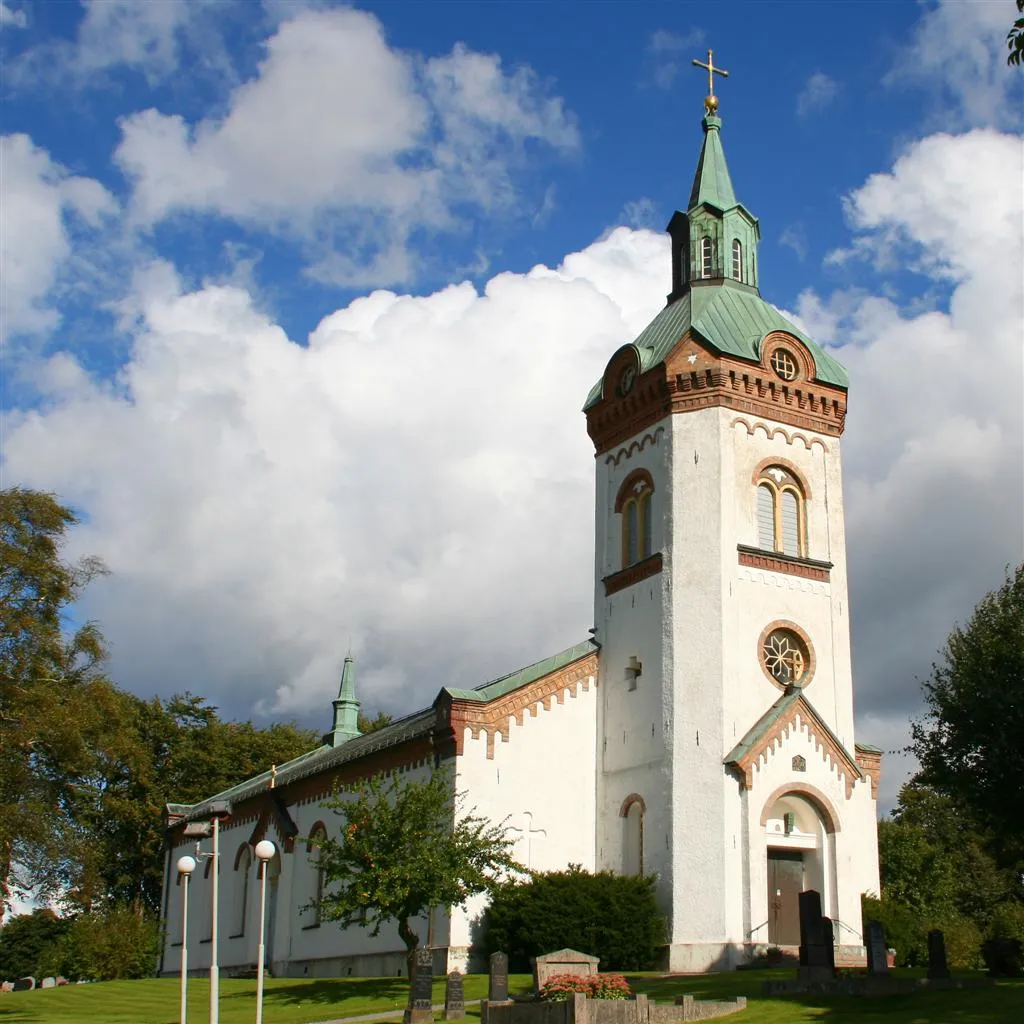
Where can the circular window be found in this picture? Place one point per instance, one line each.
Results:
(785, 657)
(784, 364)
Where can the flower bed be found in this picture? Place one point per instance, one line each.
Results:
(559, 988)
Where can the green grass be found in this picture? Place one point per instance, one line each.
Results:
(298, 1001)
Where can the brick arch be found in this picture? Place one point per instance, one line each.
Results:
(627, 804)
(792, 344)
(776, 460)
(626, 489)
(815, 796)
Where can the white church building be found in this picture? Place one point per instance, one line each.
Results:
(704, 734)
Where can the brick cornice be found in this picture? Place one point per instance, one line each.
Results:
(712, 380)
(775, 561)
(870, 763)
(634, 573)
(494, 717)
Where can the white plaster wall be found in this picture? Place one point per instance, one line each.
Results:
(541, 781)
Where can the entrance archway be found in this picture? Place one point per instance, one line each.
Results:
(799, 850)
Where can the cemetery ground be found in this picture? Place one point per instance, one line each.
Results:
(301, 1001)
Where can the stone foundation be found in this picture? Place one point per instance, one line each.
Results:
(581, 1010)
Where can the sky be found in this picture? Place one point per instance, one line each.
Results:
(300, 303)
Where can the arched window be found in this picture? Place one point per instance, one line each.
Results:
(243, 864)
(635, 505)
(316, 873)
(737, 259)
(208, 882)
(633, 835)
(705, 256)
(781, 513)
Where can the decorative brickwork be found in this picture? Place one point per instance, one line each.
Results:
(634, 573)
(493, 717)
(775, 561)
(870, 763)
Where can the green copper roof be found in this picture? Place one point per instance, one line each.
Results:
(346, 707)
(506, 684)
(712, 184)
(733, 319)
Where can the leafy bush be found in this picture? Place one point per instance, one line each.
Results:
(904, 930)
(1007, 922)
(1004, 958)
(612, 917)
(560, 987)
(116, 943)
(25, 939)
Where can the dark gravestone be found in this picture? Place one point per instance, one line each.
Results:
(24, 984)
(497, 987)
(878, 954)
(421, 992)
(937, 966)
(454, 999)
(828, 943)
(811, 941)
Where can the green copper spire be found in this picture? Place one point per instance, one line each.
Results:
(346, 707)
(712, 185)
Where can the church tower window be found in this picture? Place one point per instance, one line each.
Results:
(633, 812)
(780, 513)
(737, 259)
(706, 251)
(635, 505)
(784, 364)
(785, 656)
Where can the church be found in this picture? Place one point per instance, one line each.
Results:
(704, 732)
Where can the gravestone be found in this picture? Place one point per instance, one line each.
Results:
(454, 998)
(937, 966)
(49, 982)
(878, 954)
(7, 986)
(563, 961)
(421, 996)
(24, 985)
(497, 984)
(817, 943)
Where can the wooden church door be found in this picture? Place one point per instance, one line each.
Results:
(785, 882)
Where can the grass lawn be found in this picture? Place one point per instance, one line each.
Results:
(297, 1001)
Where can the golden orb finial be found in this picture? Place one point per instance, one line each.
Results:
(711, 104)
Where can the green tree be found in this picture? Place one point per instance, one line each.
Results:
(969, 742)
(53, 696)
(25, 939)
(403, 848)
(367, 724)
(1015, 39)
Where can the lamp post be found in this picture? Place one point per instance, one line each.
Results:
(186, 865)
(265, 850)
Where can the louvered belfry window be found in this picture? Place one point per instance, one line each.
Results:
(737, 259)
(781, 523)
(706, 254)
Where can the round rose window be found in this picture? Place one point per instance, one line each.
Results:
(785, 656)
(784, 364)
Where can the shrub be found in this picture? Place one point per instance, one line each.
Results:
(106, 945)
(612, 917)
(963, 942)
(25, 940)
(1003, 949)
(904, 930)
(560, 987)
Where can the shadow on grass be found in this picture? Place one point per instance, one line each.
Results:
(349, 996)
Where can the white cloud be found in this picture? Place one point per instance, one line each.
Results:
(639, 213)
(348, 144)
(958, 52)
(12, 17)
(38, 200)
(818, 92)
(668, 53)
(143, 36)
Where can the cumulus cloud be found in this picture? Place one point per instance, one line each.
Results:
(41, 204)
(12, 17)
(818, 92)
(958, 52)
(348, 144)
(667, 53)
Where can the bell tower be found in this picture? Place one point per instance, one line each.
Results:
(728, 766)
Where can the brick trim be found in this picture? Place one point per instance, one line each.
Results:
(822, 803)
(775, 561)
(783, 463)
(493, 718)
(870, 763)
(634, 573)
(633, 798)
(626, 488)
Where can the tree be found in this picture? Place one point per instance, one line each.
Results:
(404, 848)
(25, 940)
(1015, 38)
(969, 742)
(53, 696)
(366, 724)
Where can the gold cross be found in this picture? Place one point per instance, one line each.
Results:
(711, 100)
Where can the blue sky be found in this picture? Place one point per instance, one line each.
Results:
(301, 302)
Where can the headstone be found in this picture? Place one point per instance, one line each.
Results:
(563, 961)
(7, 986)
(937, 966)
(828, 943)
(454, 999)
(49, 982)
(497, 984)
(24, 985)
(421, 997)
(61, 981)
(878, 954)
(817, 943)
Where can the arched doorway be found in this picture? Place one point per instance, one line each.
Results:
(798, 840)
